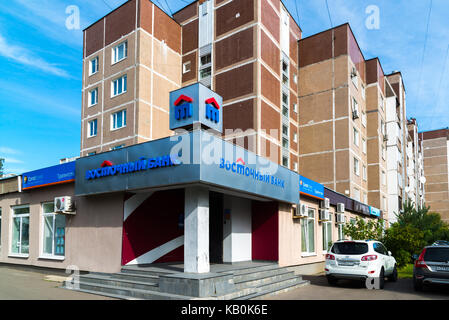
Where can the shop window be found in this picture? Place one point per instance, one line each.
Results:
(308, 233)
(20, 244)
(327, 234)
(53, 243)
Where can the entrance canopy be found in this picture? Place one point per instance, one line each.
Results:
(188, 157)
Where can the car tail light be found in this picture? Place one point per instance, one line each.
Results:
(330, 256)
(420, 263)
(370, 257)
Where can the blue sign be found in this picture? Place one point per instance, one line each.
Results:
(311, 188)
(62, 173)
(109, 169)
(374, 211)
(196, 104)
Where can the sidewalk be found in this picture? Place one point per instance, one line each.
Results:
(17, 284)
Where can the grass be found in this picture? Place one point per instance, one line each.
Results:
(406, 272)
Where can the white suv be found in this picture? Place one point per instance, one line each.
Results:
(360, 260)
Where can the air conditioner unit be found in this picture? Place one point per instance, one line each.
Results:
(303, 210)
(340, 218)
(325, 215)
(341, 207)
(355, 114)
(64, 205)
(325, 204)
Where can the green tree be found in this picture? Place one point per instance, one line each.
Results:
(403, 242)
(363, 230)
(429, 223)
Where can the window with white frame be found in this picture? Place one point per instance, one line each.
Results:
(356, 136)
(186, 67)
(93, 66)
(92, 128)
(308, 233)
(356, 166)
(53, 241)
(364, 173)
(120, 52)
(93, 97)
(364, 145)
(118, 147)
(20, 235)
(384, 178)
(295, 166)
(285, 72)
(356, 194)
(363, 92)
(285, 161)
(341, 235)
(365, 198)
(118, 120)
(327, 234)
(295, 137)
(295, 107)
(364, 119)
(119, 86)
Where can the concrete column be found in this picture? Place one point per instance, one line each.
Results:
(196, 230)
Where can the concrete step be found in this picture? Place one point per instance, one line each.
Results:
(126, 283)
(136, 277)
(259, 274)
(280, 288)
(251, 270)
(128, 293)
(265, 280)
(146, 271)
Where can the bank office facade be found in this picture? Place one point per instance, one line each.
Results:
(191, 198)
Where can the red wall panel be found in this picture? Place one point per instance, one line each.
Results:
(265, 231)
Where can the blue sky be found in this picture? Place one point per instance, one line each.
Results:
(41, 64)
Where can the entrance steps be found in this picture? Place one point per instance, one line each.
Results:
(250, 282)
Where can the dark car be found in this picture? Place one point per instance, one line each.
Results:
(431, 267)
(441, 243)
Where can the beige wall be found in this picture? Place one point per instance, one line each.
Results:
(93, 236)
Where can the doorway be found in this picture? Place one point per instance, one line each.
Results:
(215, 227)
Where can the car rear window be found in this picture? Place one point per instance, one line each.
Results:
(350, 248)
(437, 254)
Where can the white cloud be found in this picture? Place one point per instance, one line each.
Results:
(12, 160)
(23, 56)
(8, 150)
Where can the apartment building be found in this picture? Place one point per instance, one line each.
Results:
(333, 144)
(131, 61)
(415, 170)
(436, 166)
(247, 52)
(376, 87)
(395, 127)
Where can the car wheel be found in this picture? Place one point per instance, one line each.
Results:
(331, 280)
(382, 279)
(394, 275)
(418, 285)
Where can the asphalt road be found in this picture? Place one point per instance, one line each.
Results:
(17, 284)
(319, 289)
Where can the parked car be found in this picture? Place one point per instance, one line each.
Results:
(431, 267)
(359, 260)
(441, 243)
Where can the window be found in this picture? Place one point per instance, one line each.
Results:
(295, 137)
(20, 243)
(355, 79)
(206, 72)
(186, 67)
(384, 178)
(285, 73)
(285, 161)
(356, 136)
(364, 119)
(363, 92)
(119, 86)
(118, 119)
(364, 145)
(327, 234)
(356, 166)
(93, 97)
(295, 107)
(295, 166)
(364, 172)
(285, 98)
(284, 130)
(93, 66)
(308, 233)
(92, 128)
(92, 153)
(53, 242)
(356, 194)
(384, 203)
(341, 235)
(118, 147)
(206, 59)
(285, 142)
(295, 79)
(365, 197)
(119, 52)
